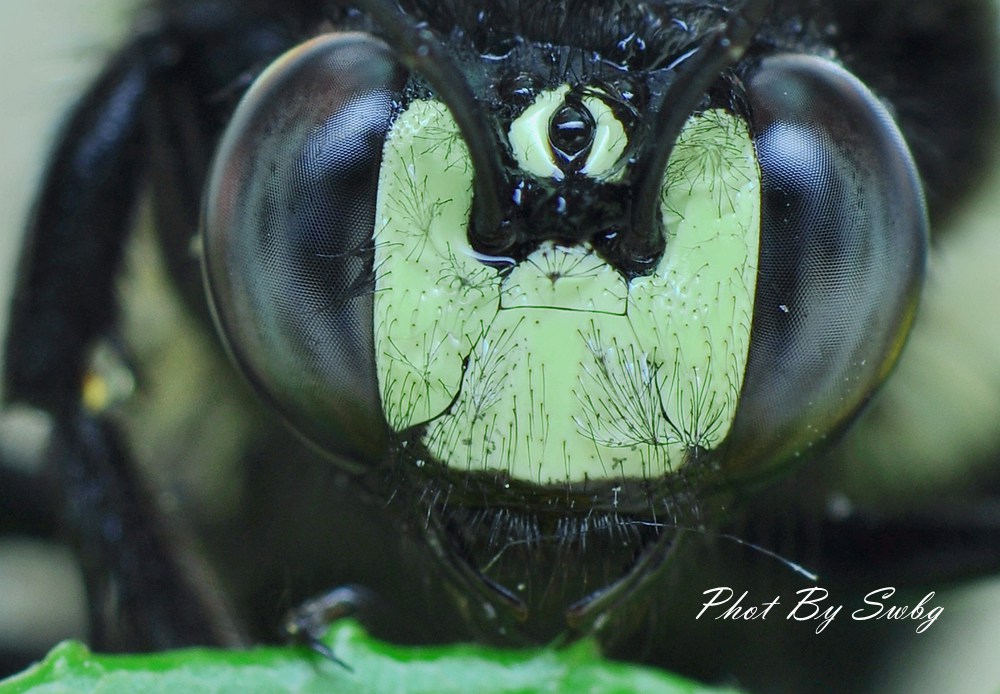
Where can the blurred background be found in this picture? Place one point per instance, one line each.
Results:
(49, 49)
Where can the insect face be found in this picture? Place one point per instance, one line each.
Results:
(556, 295)
(557, 285)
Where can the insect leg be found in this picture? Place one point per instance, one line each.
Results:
(64, 302)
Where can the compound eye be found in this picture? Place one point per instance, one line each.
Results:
(842, 256)
(287, 231)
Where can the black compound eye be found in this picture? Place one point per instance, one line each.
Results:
(288, 225)
(842, 256)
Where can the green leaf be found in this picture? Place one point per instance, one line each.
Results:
(376, 668)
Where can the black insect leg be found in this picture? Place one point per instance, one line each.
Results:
(951, 543)
(64, 296)
(143, 594)
(308, 622)
(947, 542)
(146, 589)
(26, 505)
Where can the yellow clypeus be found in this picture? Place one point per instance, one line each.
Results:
(560, 370)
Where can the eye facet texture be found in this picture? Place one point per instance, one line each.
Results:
(843, 247)
(287, 231)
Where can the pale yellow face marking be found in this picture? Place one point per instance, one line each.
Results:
(609, 142)
(529, 138)
(529, 135)
(569, 372)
